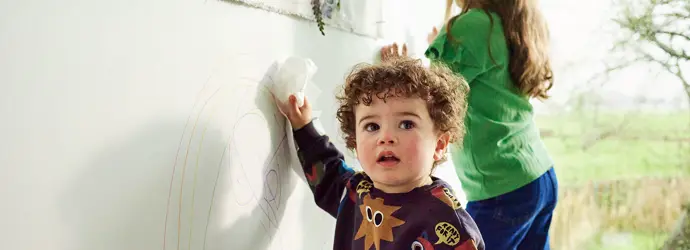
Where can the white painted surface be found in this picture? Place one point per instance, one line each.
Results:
(143, 125)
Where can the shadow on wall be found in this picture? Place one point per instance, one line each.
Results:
(257, 228)
(119, 202)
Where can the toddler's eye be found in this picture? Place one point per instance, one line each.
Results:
(407, 125)
(371, 127)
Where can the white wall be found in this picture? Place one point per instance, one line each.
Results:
(134, 124)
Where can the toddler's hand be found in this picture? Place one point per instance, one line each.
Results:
(298, 116)
(391, 51)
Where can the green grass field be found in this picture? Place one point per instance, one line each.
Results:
(617, 146)
(638, 145)
(639, 241)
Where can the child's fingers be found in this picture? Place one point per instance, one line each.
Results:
(293, 105)
(306, 104)
(386, 52)
(395, 49)
(404, 49)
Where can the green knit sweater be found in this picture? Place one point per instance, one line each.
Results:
(502, 149)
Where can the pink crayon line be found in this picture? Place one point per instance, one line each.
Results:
(196, 170)
(184, 168)
(172, 178)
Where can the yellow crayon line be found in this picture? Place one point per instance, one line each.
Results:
(184, 168)
(172, 178)
(196, 170)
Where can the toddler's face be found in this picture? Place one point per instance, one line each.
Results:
(397, 143)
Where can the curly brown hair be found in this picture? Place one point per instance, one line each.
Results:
(444, 92)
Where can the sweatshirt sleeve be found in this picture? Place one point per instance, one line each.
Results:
(465, 49)
(324, 168)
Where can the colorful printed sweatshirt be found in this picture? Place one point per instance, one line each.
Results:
(428, 217)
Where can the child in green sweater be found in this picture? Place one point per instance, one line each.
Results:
(500, 48)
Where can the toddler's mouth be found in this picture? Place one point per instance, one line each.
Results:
(387, 157)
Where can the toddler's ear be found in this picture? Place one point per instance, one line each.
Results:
(441, 146)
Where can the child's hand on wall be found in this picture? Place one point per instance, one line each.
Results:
(432, 36)
(391, 51)
(298, 116)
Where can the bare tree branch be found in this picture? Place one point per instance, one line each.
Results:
(665, 65)
(657, 32)
(645, 30)
(686, 84)
(613, 68)
(677, 15)
(673, 34)
(670, 51)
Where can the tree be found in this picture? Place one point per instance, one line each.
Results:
(680, 237)
(655, 32)
(658, 32)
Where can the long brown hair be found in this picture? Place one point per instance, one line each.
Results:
(527, 37)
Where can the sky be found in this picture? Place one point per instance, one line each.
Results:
(582, 34)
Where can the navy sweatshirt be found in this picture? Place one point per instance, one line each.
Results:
(428, 217)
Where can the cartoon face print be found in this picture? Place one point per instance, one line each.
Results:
(363, 187)
(377, 222)
(422, 243)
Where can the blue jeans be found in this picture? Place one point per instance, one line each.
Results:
(519, 219)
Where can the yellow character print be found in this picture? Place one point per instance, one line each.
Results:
(363, 187)
(447, 233)
(446, 196)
